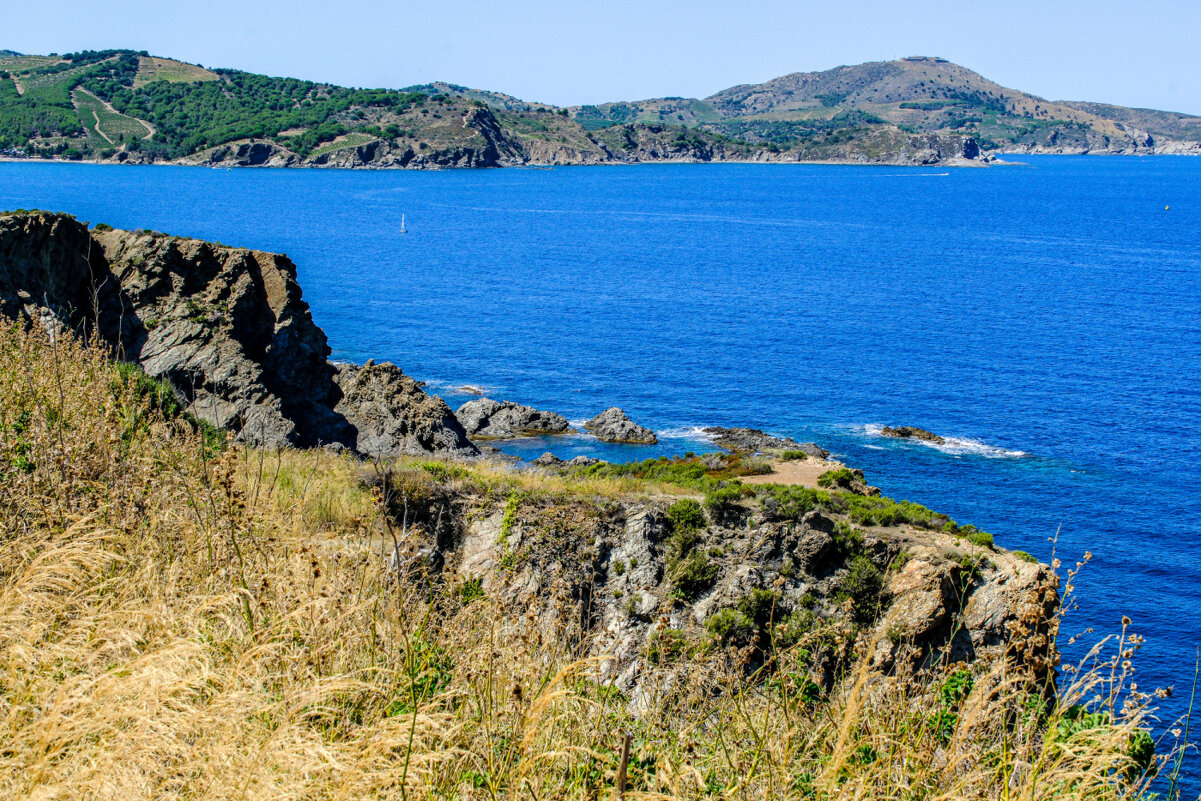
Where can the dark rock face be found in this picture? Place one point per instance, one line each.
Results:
(910, 432)
(613, 425)
(227, 327)
(251, 154)
(487, 419)
(752, 440)
(391, 416)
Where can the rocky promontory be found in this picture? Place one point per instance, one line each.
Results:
(752, 440)
(226, 327)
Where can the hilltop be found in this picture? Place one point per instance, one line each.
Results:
(130, 107)
(916, 94)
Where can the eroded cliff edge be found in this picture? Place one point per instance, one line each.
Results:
(226, 327)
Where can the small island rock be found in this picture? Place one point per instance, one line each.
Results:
(488, 419)
(613, 425)
(911, 432)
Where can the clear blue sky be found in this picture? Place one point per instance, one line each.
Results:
(1137, 54)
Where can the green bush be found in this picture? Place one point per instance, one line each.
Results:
(793, 456)
(685, 515)
(692, 575)
(789, 503)
(731, 627)
(722, 504)
(842, 477)
(863, 584)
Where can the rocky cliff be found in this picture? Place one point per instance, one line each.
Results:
(227, 327)
(654, 580)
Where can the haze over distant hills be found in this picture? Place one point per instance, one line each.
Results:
(126, 106)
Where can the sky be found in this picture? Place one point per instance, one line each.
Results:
(570, 53)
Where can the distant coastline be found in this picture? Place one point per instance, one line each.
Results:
(127, 107)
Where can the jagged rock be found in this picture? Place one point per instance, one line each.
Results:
(548, 459)
(227, 327)
(752, 440)
(487, 419)
(607, 565)
(392, 416)
(613, 425)
(911, 432)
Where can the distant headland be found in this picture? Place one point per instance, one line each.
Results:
(127, 107)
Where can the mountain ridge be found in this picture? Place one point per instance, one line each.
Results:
(124, 106)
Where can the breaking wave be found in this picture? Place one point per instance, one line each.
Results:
(956, 446)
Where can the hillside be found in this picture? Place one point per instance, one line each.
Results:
(915, 94)
(130, 107)
(186, 613)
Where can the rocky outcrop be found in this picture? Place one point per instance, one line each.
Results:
(613, 425)
(647, 595)
(227, 327)
(752, 440)
(485, 418)
(391, 416)
(548, 459)
(912, 432)
(249, 154)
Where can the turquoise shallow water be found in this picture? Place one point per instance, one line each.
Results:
(1047, 317)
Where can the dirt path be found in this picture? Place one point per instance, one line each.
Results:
(150, 130)
(801, 472)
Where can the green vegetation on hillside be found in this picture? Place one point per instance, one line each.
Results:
(136, 106)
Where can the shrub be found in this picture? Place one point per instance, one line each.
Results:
(723, 504)
(685, 515)
(842, 477)
(731, 627)
(793, 456)
(794, 628)
(470, 589)
(692, 575)
(1025, 557)
(864, 586)
(666, 646)
(976, 536)
(788, 503)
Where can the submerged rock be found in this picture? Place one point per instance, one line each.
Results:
(613, 425)
(911, 432)
(489, 419)
(752, 440)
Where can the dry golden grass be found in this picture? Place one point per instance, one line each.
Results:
(178, 624)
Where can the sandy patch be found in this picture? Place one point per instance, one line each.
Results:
(802, 472)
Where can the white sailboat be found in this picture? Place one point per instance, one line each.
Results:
(403, 230)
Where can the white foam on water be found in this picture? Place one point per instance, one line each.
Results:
(956, 446)
(460, 388)
(694, 433)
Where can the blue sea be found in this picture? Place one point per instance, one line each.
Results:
(1045, 317)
